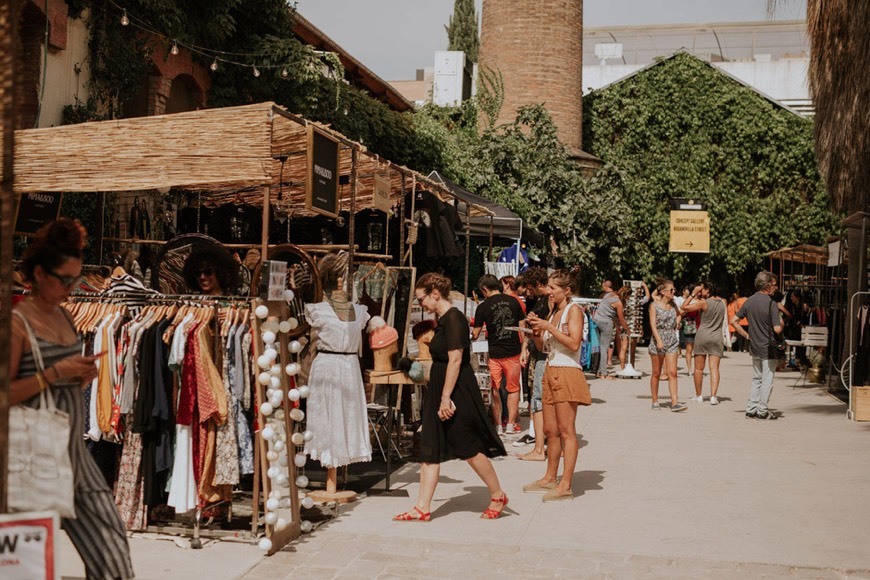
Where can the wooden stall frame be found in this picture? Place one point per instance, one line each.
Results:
(128, 162)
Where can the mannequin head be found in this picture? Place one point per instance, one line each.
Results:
(384, 341)
(423, 333)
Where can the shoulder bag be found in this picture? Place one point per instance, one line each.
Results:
(776, 347)
(40, 471)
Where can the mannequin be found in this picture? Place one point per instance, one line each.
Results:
(337, 413)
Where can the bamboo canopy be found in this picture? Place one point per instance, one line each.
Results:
(234, 154)
(803, 254)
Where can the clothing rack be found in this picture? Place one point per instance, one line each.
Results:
(121, 296)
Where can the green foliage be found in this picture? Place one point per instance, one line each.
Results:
(524, 166)
(313, 86)
(462, 29)
(684, 129)
(81, 112)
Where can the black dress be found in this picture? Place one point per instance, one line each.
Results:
(470, 431)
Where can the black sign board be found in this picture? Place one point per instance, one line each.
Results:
(687, 204)
(35, 210)
(323, 163)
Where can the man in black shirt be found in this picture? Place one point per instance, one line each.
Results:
(497, 312)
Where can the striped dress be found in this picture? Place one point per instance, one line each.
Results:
(97, 531)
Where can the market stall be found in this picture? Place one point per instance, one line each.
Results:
(256, 156)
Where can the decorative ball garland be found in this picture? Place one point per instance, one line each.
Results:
(272, 410)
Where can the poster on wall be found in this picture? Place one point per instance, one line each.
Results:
(35, 210)
(321, 195)
(690, 227)
(28, 545)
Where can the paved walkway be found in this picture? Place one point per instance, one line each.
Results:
(702, 494)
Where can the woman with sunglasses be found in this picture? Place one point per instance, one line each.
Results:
(53, 264)
(211, 270)
(455, 422)
(664, 320)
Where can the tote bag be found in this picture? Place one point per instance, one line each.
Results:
(40, 470)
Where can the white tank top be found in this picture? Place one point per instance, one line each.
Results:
(559, 354)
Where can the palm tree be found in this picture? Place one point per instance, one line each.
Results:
(839, 34)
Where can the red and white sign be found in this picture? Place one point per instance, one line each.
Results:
(28, 546)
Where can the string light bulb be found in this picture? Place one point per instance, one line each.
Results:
(256, 72)
(284, 73)
(124, 20)
(174, 49)
(214, 65)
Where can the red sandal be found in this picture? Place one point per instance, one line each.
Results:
(407, 517)
(491, 514)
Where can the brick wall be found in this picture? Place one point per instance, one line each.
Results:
(538, 48)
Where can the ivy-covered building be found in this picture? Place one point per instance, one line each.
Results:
(683, 128)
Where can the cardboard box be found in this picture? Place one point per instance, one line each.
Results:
(860, 402)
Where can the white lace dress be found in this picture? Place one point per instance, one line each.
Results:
(337, 413)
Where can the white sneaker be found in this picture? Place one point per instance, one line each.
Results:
(500, 431)
(714, 400)
(511, 430)
(698, 399)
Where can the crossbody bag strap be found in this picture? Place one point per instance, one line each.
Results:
(46, 399)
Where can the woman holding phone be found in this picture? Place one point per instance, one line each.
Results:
(53, 264)
(455, 422)
(564, 386)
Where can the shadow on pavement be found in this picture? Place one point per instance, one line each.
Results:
(584, 481)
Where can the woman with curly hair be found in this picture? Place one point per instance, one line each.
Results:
(211, 270)
(53, 264)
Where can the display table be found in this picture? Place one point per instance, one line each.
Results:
(394, 380)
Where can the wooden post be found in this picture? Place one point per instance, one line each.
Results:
(9, 12)
(401, 261)
(351, 229)
(467, 254)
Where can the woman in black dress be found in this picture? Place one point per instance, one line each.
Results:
(455, 423)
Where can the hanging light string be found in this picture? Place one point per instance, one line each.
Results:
(216, 56)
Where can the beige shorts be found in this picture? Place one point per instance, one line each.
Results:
(566, 385)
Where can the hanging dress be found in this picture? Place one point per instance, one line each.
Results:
(337, 414)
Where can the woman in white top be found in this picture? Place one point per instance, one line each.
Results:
(564, 386)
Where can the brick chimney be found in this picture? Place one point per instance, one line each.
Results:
(538, 48)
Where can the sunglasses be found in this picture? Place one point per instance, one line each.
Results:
(65, 281)
(207, 271)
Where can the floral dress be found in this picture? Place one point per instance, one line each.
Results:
(666, 325)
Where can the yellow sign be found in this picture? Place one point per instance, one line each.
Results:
(690, 232)
(382, 193)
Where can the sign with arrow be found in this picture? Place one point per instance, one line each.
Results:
(690, 227)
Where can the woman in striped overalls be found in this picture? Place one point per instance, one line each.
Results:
(52, 263)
